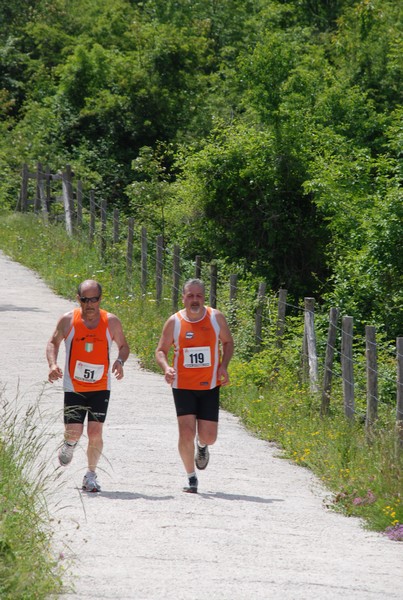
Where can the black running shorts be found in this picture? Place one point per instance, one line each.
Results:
(78, 404)
(202, 403)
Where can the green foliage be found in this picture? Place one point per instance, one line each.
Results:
(368, 47)
(13, 64)
(273, 128)
(236, 181)
(361, 199)
(264, 71)
(8, 187)
(13, 16)
(150, 194)
(323, 15)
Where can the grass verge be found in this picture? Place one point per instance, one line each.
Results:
(28, 569)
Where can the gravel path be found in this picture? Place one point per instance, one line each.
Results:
(258, 528)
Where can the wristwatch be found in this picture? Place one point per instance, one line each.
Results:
(122, 362)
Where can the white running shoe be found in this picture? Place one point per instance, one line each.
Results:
(66, 453)
(90, 483)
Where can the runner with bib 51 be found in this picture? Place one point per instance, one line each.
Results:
(88, 333)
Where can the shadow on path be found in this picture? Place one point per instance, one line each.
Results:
(118, 495)
(126, 496)
(223, 496)
(13, 308)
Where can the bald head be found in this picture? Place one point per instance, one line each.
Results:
(89, 284)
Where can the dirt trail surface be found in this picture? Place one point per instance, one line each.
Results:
(258, 528)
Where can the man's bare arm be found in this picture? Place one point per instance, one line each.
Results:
(164, 345)
(53, 345)
(120, 340)
(227, 343)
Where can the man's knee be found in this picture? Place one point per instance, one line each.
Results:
(94, 430)
(187, 434)
(187, 428)
(73, 431)
(208, 439)
(207, 432)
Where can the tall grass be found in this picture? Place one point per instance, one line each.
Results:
(267, 391)
(28, 569)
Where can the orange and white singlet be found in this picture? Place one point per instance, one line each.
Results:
(196, 351)
(87, 355)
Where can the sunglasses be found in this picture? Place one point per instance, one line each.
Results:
(92, 300)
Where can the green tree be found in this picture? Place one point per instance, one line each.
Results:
(236, 205)
(151, 192)
(360, 197)
(368, 50)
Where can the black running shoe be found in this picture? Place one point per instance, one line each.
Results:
(202, 457)
(192, 487)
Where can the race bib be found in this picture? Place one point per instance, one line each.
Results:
(197, 357)
(88, 372)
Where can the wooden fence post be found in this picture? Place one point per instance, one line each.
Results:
(103, 227)
(115, 238)
(233, 280)
(48, 177)
(79, 195)
(143, 261)
(198, 267)
(92, 216)
(129, 252)
(259, 316)
(282, 304)
(68, 200)
(399, 394)
(330, 349)
(347, 366)
(37, 201)
(213, 285)
(41, 193)
(310, 337)
(175, 279)
(372, 377)
(22, 203)
(159, 268)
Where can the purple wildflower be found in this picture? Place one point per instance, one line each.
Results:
(395, 532)
(370, 498)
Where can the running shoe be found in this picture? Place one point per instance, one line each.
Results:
(202, 457)
(192, 487)
(66, 453)
(90, 483)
